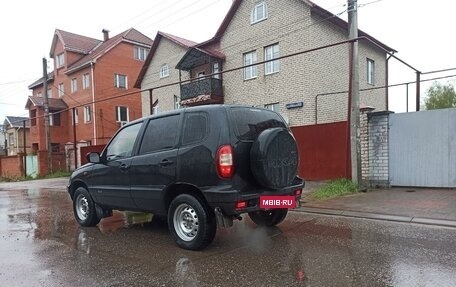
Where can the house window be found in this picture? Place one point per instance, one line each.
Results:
(271, 52)
(85, 81)
(215, 69)
(60, 60)
(74, 85)
(76, 117)
(54, 119)
(370, 71)
(164, 71)
(259, 13)
(140, 53)
(61, 90)
(176, 102)
(201, 75)
(39, 94)
(11, 139)
(55, 147)
(120, 81)
(273, 107)
(250, 72)
(121, 114)
(49, 93)
(33, 118)
(87, 114)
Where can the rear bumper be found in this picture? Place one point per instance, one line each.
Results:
(226, 199)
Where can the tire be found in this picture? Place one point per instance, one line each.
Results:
(84, 208)
(274, 158)
(268, 217)
(191, 223)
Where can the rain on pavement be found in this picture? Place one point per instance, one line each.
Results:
(42, 245)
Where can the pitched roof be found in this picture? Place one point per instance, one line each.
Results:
(74, 42)
(54, 104)
(177, 40)
(39, 82)
(16, 122)
(314, 9)
(131, 35)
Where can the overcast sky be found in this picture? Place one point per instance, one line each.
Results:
(421, 31)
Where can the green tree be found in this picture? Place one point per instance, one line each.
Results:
(440, 96)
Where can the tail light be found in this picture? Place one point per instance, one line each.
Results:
(298, 192)
(225, 165)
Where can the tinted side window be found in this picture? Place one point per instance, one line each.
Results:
(160, 134)
(195, 128)
(250, 122)
(122, 144)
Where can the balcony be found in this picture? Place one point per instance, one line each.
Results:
(202, 91)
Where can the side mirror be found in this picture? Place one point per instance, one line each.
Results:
(93, 157)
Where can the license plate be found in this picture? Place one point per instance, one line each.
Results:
(273, 201)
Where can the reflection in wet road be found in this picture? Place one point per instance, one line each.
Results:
(42, 245)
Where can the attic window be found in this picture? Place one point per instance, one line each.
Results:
(164, 71)
(60, 60)
(140, 53)
(259, 13)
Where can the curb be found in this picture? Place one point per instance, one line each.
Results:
(378, 216)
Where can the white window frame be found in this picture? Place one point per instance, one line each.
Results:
(201, 75)
(256, 15)
(61, 90)
(60, 60)
(215, 69)
(118, 114)
(271, 52)
(250, 72)
(140, 53)
(117, 81)
(164, 71)
(87, 114)
(74, 85)
(370, 71)
(85, 81)
(49, 92)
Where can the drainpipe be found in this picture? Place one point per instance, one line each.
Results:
(93, 105)
(387, 82)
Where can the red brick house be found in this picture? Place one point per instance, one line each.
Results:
(86, 73)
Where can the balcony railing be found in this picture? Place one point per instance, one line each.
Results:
(211, 87)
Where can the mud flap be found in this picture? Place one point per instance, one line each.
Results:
(222, 220)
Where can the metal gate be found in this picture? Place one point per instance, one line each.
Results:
(422, 148)
(32, 165)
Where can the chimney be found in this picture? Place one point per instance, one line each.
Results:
(105, 34)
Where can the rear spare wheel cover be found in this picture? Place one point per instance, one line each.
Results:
(274, 158)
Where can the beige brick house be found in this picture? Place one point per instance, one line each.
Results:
(158, 70)
(298, 87)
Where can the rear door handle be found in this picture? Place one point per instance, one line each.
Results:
(124, 167)
(166, 162)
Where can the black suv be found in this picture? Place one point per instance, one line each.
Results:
(200, 167)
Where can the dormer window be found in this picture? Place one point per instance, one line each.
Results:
(259, 13)
(60, 60)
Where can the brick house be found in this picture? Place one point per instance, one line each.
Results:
(254, 31)
(14, 132)
(86, 72)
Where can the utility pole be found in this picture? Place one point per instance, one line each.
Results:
(355, 143)
(47, 128)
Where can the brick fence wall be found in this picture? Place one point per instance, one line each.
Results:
(12, 166)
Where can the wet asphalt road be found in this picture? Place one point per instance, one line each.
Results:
(42, 245)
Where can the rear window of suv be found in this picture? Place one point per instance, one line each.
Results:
(250, 122)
